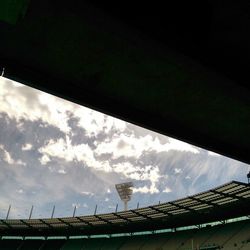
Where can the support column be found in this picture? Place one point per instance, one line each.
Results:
(53, 211)
(74, 212)
(31, 210)
(8, 213)
(125, 205)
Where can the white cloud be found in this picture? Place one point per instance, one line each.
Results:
(20, 162)
(82, 153)
(27, 146)
(150, 173)
(181, 146)
(127, 169)
(131, 146)
(213, 153)
(144, 173)
(178, 170)
(77, 205)
(62, 171)
(152, 189)
(44, 159)
(167, 190)
(21, 101)
(92, 121)
(20, 191)
(87, 193)
(95, 122)
(8, 158)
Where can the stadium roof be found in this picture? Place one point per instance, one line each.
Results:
(221, 203)
(175, 70)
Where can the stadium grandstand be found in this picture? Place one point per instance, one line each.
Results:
(215, 219)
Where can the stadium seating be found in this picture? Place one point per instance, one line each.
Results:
(241, 239)
(73, 244)
(10, 244)
(231, 236)
(245, 246)
(52, 244)
(133, 242)
(94, 244)
(31, 244)
(113, 243)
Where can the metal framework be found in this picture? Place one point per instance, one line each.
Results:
(226, 201)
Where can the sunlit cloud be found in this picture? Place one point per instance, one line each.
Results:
(213, 153)
(20, 191)
(131, 146)
(26, 147)
(24, 102)
(167, 190)
(177, 170)
(87, 193)
(145, 189)
(62, 171)
(8, 158)
(65, 150)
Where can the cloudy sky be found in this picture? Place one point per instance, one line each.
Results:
(54, 152)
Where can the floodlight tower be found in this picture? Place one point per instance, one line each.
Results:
(125, 192)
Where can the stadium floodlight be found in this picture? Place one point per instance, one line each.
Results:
(125, 192)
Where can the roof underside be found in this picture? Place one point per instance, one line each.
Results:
(221, 203)
(177, 71)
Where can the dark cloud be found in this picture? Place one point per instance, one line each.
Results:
(78, 135)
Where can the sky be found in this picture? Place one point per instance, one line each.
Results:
(55, 152)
